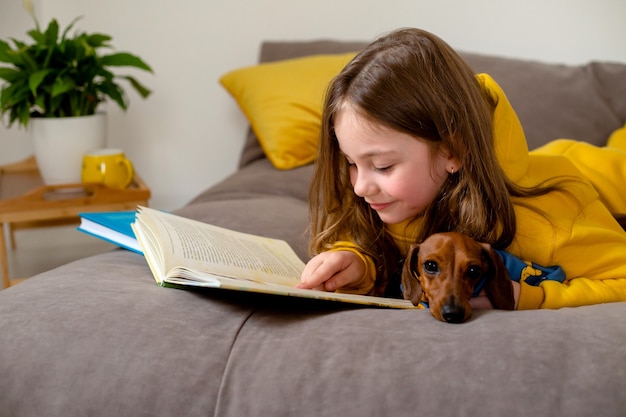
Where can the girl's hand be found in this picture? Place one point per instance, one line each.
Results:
(330, 271)
(482, 302)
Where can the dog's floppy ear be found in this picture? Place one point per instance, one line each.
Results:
(411, 286)
(498, 288)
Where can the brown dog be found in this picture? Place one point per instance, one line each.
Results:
(446, 268)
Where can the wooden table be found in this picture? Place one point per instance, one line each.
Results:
(25, 202)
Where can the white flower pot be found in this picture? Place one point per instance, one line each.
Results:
(60, 143)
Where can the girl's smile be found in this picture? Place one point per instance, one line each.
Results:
(379, 206)
(397, 174)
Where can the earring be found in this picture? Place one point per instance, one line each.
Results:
(451, 170)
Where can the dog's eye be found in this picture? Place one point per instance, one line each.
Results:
(474, 272)
(431, 267)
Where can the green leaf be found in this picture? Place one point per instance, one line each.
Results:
(46, 62)
(83, 45)
(10, 74)
(105, 74)
(14, 95)
(54, 108)
(40, 102)
(7, 54)
(52, 33)
(28, 61)
(14, 100)
(4, 100)
(61, 85)
(143, 91)
(24, 115)
(37, 36)
(36, 78)
(124, 59)
(115, 92)
(69, 27)
(97, 40)
(19, 44)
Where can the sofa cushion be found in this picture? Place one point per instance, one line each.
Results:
(283, 103)
(272, 51)
(260, 178)
(98, 337)
(298, 358)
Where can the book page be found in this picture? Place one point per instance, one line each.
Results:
(196, 246)
(188, 253)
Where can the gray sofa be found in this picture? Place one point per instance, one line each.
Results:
(99, 337)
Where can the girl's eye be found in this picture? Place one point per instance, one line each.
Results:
(384, 169)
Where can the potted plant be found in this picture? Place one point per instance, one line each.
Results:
(62, 78)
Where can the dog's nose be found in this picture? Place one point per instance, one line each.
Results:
(453, 313)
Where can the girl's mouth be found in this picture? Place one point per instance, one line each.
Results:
(379, 206)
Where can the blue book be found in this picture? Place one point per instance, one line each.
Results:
(112, 226)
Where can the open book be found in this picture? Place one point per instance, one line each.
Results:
(184, 252)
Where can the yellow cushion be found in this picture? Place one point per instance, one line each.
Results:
(283, 103)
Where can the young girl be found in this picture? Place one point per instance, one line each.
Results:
(413, 143)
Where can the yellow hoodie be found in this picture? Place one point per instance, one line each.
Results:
(580, 234)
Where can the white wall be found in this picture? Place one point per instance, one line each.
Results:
(189, 133)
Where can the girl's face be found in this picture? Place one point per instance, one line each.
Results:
(395, 173)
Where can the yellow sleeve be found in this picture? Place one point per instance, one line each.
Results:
(370, 267)
(593, 256)
(574, 293)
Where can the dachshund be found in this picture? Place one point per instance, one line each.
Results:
(445, 271)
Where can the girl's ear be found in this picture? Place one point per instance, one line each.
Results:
(452, 164)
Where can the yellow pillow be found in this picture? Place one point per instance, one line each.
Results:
(283, 103)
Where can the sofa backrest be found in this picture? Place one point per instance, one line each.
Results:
(583, 102)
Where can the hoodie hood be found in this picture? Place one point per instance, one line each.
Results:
(509, 139)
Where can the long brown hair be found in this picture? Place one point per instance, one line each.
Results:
(413, 82)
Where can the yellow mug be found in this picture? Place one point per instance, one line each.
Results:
(107, 166)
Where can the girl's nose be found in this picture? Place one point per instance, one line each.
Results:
(363, 185)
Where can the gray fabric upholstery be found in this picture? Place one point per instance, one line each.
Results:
(98, 337)
(354, 362)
